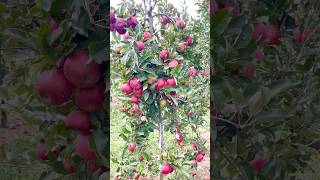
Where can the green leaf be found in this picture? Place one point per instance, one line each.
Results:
(220, 21)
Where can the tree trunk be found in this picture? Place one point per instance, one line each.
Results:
(161, 143)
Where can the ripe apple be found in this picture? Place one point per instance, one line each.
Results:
(138, 92)
(78, 120)
(70, 168)
(180, 24)
(190, 113)
(53, 88)
(188, 40)
(81, 74)
(132, 22)
(53, 25)
(167, 168)
(173, 63)
(273, 35)
(259, 32)
(135, 83)
(147, 36)
(164, 20)
(140, 46)
(132, 147)
(41, 150)
(136, 109)
(126, 35)
(120, 25)
(171, 82)
(134, 100)
(199, 157)
(164, 54)
(258, 54)
(136, 175)
(126, 89)
(258, 163)
(90, 99)
(82, 147)
(160, 83)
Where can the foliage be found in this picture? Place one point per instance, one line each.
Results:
(271, 109)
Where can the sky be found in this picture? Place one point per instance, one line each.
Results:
(192, 8)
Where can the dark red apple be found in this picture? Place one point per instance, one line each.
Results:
(41, 150)
(70, 168)
(259, 162)
(138, 92)
(132, 22)
(53, 88)
(82, 147)
(53, 25)
(188, 40)
(81, 73)
(259, 32)
(90, 99)
(273, 35)
(78, 120)
(164, 20)
(258, 54)
(120, 25)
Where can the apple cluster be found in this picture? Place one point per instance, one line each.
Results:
(76, 79)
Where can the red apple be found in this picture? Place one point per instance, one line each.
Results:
(53, 25)
(195, 145)
(41, 150)
(136, 175)
(164, 54)
(90, 99)
(167, 168)
(181, 48)
(126, 35)
(82, 147)
(259, 162)
(120, 25)
(273, 35)
(160, 84)
(172, 64)
(136, 109)
(132, 147)
(190, 113)
(138, 92)
(188, 40)
(126, 89)
(140, 46)
(180, 24)
(259, 32)
(53, 88)
(70, 168)
(164, 20)
(132, 22)
(171, 82)
(147, 36)
(199, 157)
(81, 73)
(78, 120)
(134, 100)
(135, 83)
(249, 72)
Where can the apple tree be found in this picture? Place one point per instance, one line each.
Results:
(160, 76)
